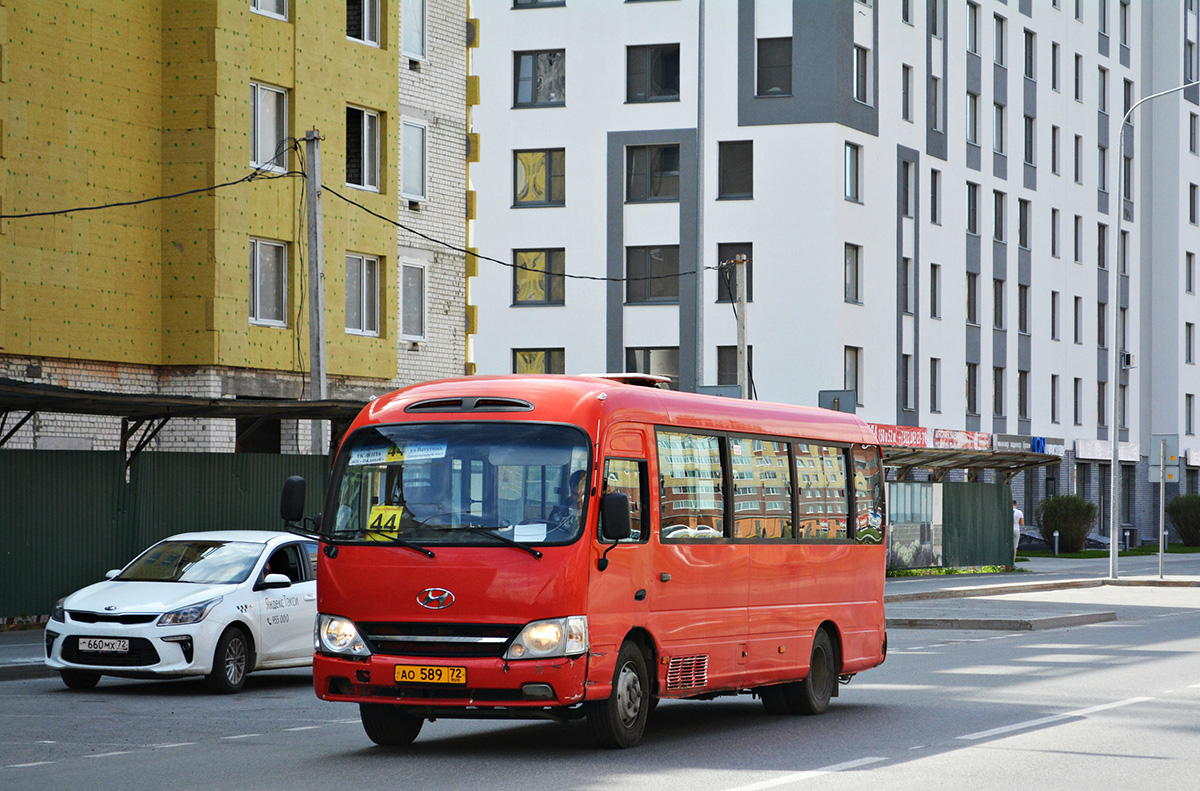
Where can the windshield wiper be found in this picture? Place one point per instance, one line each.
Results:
(486, 531)
(394, 539)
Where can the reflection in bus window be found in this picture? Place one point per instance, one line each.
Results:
(762, 489)
(821, 492)
(627, 476)
(692, 500)
(868, 495)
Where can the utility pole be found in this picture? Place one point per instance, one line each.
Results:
(743, 368)
(316, 284)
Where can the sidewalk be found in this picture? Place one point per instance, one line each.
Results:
(960, 601)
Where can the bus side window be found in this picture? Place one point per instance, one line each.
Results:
(868, 495)
(692, 501)
(629, 477)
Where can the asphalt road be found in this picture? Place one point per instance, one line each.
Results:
(1095, 707)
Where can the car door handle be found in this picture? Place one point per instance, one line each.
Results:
(311, 597)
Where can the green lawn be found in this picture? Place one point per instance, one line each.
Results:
(937, 572)
(1173, 549)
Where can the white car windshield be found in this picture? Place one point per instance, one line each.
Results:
(482, 483)
(201, 562)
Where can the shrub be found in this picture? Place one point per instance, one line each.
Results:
(1184, 511)
(1073, 517)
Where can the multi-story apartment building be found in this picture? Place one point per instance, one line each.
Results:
(926, 191)
(208, 294)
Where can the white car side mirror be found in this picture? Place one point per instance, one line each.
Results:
(111, 573)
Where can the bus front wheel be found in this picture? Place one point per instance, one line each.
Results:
(388, 725)
(620, 720)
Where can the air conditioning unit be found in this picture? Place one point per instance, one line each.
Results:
(1127, 360)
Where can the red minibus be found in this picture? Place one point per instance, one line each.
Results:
(560, 547)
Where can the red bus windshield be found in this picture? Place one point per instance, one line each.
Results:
(451, 483)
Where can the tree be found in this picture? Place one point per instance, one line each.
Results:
(1072, 516)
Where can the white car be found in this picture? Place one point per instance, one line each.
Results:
(215, 604)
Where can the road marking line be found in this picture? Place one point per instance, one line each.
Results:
(303, 728)
(23, 766)
(242, 736)
(167, 746)
(798, 776)
(108, 755)
(1193, 686)
(1020, 726)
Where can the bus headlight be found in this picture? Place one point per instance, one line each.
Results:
(337, 635)
(554, 637)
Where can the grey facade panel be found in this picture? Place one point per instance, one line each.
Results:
(999, 260)
(1000, 84)
(1125, 56)
(1024, 426)
(973, 347)
(822, 70)
(972, 260)
(1102, 45)
(1102, 202)
(974, 157)
(1102, 127)
(1000, 347)
(1030, 176)
(1026, 7)
(1102, 289)
(1030, 96)
(999, 166)
(974, 73)
(1024, 352)
(1024, 266)
(972, 422)
(999, 425)
(1102, 365)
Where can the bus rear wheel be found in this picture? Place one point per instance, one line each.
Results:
(812, 695)
(388, 725)
(620, 720)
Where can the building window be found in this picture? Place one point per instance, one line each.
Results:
(973, 28)
(935, 291)
(1189, 61)
(972, 118)
(656, 361)
(412, 302)
(1103, 17)
(935, 102)
(538, 361)
(998, 304)
(1078, 78)
(935, 18)
(652, 73)
(727, 269)
(852, 372)
(1102, 168)
(1189, 343)
(1054, 135)
(906, 92)
(999, 40)
(1102, 89)
(275, 8)
(727, 367)
(1189, 416)
(972, 298)
(997, 391)
(1023, 231)
(1078, 239)
(1054, 70)
(413, 156)
(908, 294)
(935, 384)
(775, 67)
(1102, 246)
(908, 189)
(538, 277)
(1030, 141)
(972, 208)
(999, 201)
(935, 197)
(853, 271)
(862, 74)
(1030, 55)
(1077, 399)
(539, 177)
(1127, 177)
(1054, 235)
(268, 127)
(998, 128)
(1023, 309)
(1124, 22)
(652, 274)
(907, 394)
(1101, 402)
(1053, 315)
(735, 171)
(362, 295)
(853, 172)
(268, 283)
(1189, 273)
(1101, 322)
(1078, 319)
(540, 78)
(1193, 203)
(651, 173)
(362, 21)
(1023, 395)
(1194, 133)
(362, 148)
(972, 388)
(1078, 159)
(412, 28)
(1053, 398)
(1127, 98)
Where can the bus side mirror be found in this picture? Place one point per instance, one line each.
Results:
(614, 516)
(291, 505)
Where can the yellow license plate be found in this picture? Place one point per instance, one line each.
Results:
(430, 674)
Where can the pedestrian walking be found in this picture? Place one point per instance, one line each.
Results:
(1018, 523)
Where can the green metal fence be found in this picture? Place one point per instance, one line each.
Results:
(66, 517)
(977, 524)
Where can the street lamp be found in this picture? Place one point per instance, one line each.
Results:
(1115, 298)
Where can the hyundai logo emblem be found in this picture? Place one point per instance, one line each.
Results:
(435, 598)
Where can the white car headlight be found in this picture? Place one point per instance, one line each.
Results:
(337, 635)
(553, 637)
(193, 613)
(58, 613)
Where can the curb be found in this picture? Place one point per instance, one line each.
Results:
(19, 671)
(1003, 624)
(990, 590)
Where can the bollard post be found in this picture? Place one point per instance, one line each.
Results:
(1055, 543)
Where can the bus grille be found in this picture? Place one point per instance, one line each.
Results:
(438, 639)
(687, 672)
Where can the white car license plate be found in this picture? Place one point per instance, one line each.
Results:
(104, 645)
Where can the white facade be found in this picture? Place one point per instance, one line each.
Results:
(1043, 323)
